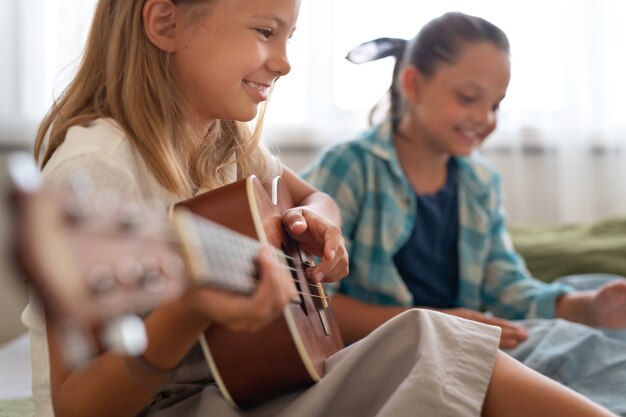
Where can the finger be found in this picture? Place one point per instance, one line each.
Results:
(505, 324)
(510, 338)
(336, 275)
(294, 221)
(326, 271)
(273, 276)
(334, 260)
(508, 342)
(340, 267)
(333, 242)
(229, 309)
(514, 333)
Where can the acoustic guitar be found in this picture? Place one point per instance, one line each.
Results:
(95, 262)
(289, 353)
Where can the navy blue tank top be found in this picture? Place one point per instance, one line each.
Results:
(429, 261)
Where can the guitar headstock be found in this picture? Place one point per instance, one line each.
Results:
(90, 258)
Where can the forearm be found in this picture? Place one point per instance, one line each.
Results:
(576, 306)
(323, 204)
(106, 387)
(357, 319)
(304, 194)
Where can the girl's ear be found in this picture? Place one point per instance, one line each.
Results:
(411, 83)
(159, 24)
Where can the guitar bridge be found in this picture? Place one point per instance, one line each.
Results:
(324, 320)
(320, 300)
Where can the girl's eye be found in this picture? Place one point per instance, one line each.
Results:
(467, 99)
(267, 33)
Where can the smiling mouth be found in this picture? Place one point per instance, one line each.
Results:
(470, 134)
(262, 88)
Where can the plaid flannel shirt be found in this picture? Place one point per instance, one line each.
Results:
(377, 205)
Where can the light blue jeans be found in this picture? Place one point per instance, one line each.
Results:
(590, 361)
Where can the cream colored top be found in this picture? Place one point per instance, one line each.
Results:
(102, 150)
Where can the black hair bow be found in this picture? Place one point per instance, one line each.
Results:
(377, 49)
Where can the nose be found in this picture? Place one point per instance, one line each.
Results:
(279, 62)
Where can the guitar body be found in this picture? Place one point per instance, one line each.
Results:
(289, 354)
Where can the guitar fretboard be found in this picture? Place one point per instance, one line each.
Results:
(219, 256)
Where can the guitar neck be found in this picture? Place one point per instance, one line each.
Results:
(215, 255)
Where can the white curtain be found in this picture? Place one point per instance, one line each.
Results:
(567, 88)
(561, 140)
(40, 45)
(568, 59)
(566, 95)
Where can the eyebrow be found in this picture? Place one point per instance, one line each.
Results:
(470, 83)
(482, 90)
(280, 22)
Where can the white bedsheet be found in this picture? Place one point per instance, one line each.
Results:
(15, 370)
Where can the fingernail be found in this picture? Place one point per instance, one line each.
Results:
(297, 223)
(319, 276)
(332, 253)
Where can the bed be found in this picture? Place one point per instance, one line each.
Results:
(550, 252)
(15, 378)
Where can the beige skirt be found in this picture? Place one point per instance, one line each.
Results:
(421, 363)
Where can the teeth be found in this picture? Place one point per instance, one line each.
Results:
(470, 134)
(256, 86)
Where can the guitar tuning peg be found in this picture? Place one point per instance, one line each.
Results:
(126, 335)
(24, 172)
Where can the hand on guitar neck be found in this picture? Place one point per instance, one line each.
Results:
(92, 266)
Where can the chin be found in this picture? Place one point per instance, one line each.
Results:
(248, 116)
(464, 152)
(244, 118)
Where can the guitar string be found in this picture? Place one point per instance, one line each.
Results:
(242, 245)
(166, 228)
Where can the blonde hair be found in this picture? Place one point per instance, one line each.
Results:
(123, 76)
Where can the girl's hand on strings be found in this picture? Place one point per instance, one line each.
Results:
(320, 237)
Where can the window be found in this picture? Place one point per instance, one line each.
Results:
(41, 43)
(567, 83)
(566, 87)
